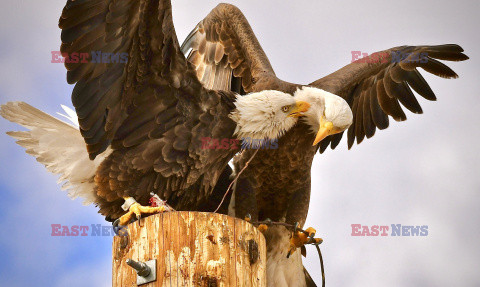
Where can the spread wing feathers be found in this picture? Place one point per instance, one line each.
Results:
(376, 86)
(211, 63)
(223, 44)
(153, 105)
(57, 145)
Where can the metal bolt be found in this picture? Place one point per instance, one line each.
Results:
(141, 268)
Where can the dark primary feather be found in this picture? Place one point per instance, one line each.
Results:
(377, 89)
(152, 110)
(223, 44)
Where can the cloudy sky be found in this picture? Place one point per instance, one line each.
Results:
(421, 172)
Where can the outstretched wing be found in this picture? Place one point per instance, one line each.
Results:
(226, 53)
(374, 87)
(135, 90)
(57, 145)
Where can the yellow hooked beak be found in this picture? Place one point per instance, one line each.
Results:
(326, 129)
(299, 108)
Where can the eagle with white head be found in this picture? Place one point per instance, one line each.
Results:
(360, 97)
(330, 114)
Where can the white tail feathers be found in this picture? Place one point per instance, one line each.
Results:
(70, 115)
(57, 145)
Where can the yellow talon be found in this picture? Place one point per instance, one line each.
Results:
(138, 210)
(300, 238)
(262, 227)
(317, 241)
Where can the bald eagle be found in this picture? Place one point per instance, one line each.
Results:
(276, 184)
(143, 120)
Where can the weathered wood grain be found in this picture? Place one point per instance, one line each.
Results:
(192, 249)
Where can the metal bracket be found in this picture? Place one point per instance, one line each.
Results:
(146, 271)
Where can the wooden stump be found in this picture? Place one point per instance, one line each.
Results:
(192, 249)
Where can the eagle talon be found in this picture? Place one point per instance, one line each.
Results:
(135, 210)
(317, 241)
(263, 227)
(302, 237)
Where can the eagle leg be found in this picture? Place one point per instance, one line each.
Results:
(302, 237)
(138, 210)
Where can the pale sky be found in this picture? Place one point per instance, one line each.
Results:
(424, 171)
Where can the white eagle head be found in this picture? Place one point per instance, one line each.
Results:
(329, 114)
(267, 114)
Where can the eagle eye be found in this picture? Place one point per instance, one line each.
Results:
(285, 109)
